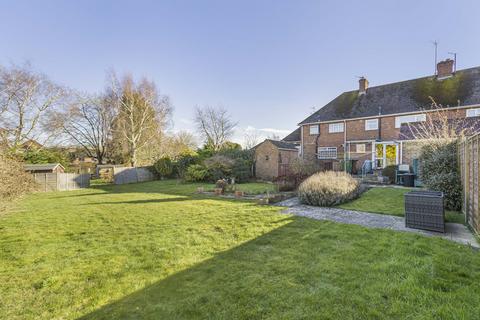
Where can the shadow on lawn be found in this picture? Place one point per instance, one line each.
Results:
(226, 284)
(304, 269)
(143, 201)
(170, 187)
(243, 282)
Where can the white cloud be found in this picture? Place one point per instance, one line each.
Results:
(260, 133)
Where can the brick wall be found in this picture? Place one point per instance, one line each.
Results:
(355, 130)
(269, 159)
(411, 150)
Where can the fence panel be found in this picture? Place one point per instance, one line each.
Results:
(61, 181)
(469, 158)
(122, 175)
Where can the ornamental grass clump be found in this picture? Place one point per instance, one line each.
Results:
(328, 189)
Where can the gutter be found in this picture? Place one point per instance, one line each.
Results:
(392, 114)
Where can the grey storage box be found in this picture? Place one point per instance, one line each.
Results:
(424, 210)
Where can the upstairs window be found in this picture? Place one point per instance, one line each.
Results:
(335, 127)
(314, 129)
(327, 153)
(473, 112)
(371, 124)
(409, 119)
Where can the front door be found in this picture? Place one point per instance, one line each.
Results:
(386, 154)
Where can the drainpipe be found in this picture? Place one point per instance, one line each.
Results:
(345, 145)
(379, 124)
(301, 142)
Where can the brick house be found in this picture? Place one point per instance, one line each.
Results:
(372, 124)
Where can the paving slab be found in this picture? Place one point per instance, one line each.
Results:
(454, 231)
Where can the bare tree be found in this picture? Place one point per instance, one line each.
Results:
(274, 136)
(440, 125)
(25, 99)
(214, 125)
(185, 140)
(142, 113)
(250, 139)
(88, 123)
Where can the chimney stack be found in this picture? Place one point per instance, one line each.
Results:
(363, 85)
(445, 68)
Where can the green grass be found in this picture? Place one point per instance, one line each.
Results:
(390, 201)
(249, 188)
(158, 251)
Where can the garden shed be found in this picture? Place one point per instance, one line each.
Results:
(44, 168)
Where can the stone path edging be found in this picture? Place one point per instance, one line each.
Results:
(454, 231)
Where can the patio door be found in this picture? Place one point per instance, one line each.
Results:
(386, 154)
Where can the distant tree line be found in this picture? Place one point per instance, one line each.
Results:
(128, 123)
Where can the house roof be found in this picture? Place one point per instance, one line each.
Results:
(467, 126)
(283, 144)
(41, 166)
(293, 136)
(462, 89)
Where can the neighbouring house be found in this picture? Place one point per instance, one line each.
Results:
(273, 158)
(31, 145)
(44, 168)
(371, 127)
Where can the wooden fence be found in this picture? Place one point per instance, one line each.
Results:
(470, 173)
(122, 175)
(61, 181)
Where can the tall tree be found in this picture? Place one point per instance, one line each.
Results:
(142, 114)
(89, 123)
(214, 125)
(26, 98)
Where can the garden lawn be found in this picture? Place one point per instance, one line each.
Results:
(158, 251)
(390, 201)
(251, 188)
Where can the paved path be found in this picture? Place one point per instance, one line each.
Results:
(454, 231)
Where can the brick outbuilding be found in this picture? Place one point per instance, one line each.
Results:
(272, 158)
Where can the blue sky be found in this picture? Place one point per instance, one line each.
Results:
(268, 62)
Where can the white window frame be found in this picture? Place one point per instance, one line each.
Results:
(316, 129)
(328, 153)
(363, 148)
(410, 118)
(335, 127)
(371, 124)
(473, 112)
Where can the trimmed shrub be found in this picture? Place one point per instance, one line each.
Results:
(389, 171)
(439, 171)
(183, 161)
(219, 167)
(328, 189)
(196, 173)
(164, 167)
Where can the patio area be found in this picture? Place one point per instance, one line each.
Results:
(454, 231)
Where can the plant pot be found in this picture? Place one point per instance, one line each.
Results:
(218, 191)
(262, 201)
(239, 194)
